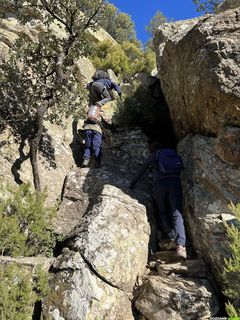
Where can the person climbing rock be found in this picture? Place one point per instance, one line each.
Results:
(100, 88)
(167, 192)
(93, 135)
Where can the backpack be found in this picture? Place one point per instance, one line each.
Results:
(93, 114)
(169, 162)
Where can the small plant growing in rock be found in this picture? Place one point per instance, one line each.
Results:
(232, 266)
(25, 222)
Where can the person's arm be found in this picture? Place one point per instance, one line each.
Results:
(116, 87)
(141, 171)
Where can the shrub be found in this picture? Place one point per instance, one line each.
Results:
(232, 266)
(125, 60)
(25, 222)
(18, 292)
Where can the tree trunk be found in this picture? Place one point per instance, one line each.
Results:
(34, 144)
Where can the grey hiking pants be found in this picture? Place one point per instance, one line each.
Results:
(167, 194)
(99, 93)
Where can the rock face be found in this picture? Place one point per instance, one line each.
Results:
(108, 233)
(227, 145)
(210, 184)
(80, 294)
(174, 298)
(228, 4)
(198, 64)
(56, 159)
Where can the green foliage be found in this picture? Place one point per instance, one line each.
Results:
(37, 80)
(124, 28)
(118, 24)
(232, 265)
(139, 109)
(18, 292)
(125, 60)
(25, 222)
(107, 55)
(155, 22)
(23, 84)
(207, 6)
(40, 284)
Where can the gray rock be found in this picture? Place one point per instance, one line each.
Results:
(112, 76)
(29, 262)
(176, 298)
(198, 64)
(80, 295)
(228, 4)
(209, 185)
(189, 268)
(227, 145)
(114, 237)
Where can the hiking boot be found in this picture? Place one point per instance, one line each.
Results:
(85, 162)
(181, 251)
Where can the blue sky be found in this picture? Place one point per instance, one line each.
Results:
(142, 11)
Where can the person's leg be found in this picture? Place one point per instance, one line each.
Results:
(96, 145)
(106, 96)
(99, 94)
(175, 201)
(94, 93)
(88, 137)
(160, 198)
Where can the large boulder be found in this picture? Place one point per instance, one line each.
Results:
(79, 293)
(198, 63)
(210, 185)
(176, 298)
(228, 4)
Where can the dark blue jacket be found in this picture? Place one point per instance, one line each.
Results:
(108, 84)
(156, 173)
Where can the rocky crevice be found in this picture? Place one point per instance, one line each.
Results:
(112, 242)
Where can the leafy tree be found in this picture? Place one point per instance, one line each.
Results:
(126, 59)
(207, 6)
(108, 23)
(155, 22)
(110, 56)
(118, 24)
(124, 28)
(38, 81)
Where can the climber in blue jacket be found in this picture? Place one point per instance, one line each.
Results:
(100, 88)
(167, 192)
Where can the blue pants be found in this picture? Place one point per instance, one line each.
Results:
(167, 194)
(93, 141)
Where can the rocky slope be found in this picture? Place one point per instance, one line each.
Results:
(109, 231)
